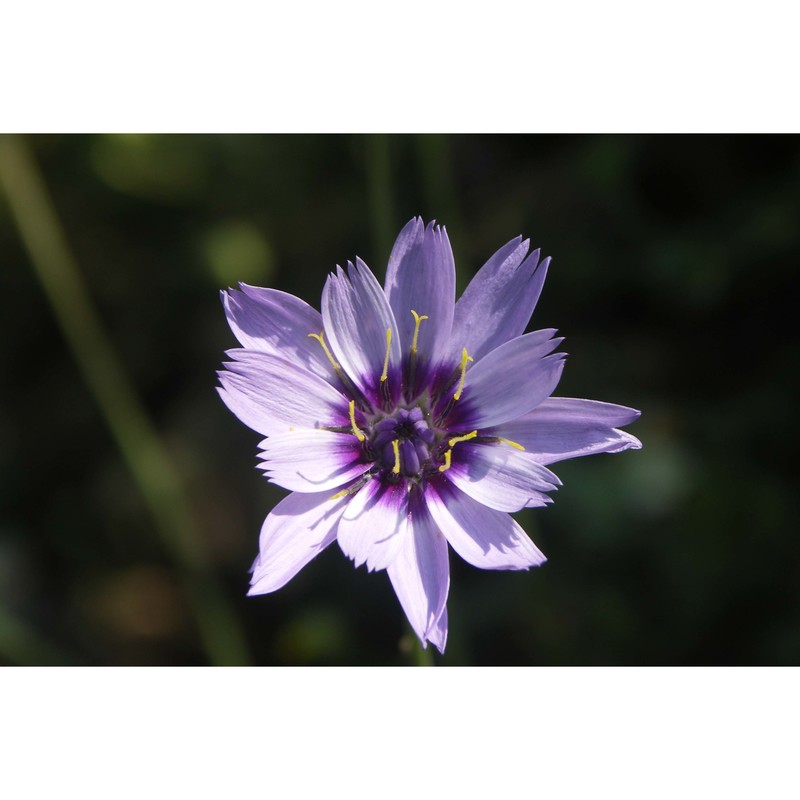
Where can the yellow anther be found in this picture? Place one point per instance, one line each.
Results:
(465, 357)
(340, 494)
(396, 448)
(417, 322)
(456, 439)
(357, 432)
(320, 337)
(448, 454)
(508, 441)
(385, 373)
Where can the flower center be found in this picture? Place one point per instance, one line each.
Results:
(402, 442)
(405, 443)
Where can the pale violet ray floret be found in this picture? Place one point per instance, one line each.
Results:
(312, 460)
(498, 303)
(272, 395)
(278, 323)
(493, 390)
(299, 528)
(501, 477)
(482, 536)
(421, 276)
(361, 328)
(405, 423)
(421, 571)
(374, 525)
(566, 427)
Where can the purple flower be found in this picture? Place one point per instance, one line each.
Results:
(403, 421)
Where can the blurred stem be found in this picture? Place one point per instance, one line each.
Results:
(137, 438)
(436, 178)
(434, 159)
(21, 644)
(379, 180)
(423, 657)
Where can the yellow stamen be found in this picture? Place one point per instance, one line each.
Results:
(508, 441)
(385, 373)
(396, 448)
(464, 358)
(417, 322)
(456, 439)
(320, 337)
(448, 454)
(354, 489)
(357, 432)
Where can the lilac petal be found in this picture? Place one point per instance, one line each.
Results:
(278, 323)
(375, 525)
(511, 381)
(312, 461)
(300, 527)
(483, 537)
(271, 395)
(357, 315)
(498, 303)
(566, 427)
(422, 276)
(420, 575)
(500, 476)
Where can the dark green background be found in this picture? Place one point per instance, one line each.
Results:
(673, 280)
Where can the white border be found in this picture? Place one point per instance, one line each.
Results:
(367, 733)
(620, 65)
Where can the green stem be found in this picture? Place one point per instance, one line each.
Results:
(434, 158)
(379, 183)
(137, 438)
(422, 657)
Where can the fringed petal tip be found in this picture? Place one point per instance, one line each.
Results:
(499, 301)
(436, 634)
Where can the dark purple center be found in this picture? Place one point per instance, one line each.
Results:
(414, 438)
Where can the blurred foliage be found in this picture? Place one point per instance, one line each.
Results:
(674, 278)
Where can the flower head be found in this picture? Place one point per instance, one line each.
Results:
(403, 421)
